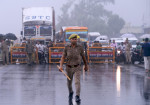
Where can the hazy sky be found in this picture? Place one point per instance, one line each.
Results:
(11, 11)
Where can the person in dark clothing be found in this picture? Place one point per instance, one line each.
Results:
(146, 53)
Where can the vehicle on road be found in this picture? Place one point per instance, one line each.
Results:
(103, 40)
(120, 56)
(38, 23)
(136, 56)
(92, 36)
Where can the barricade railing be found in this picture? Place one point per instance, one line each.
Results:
(55, 54)
(19, 55)
(59, 44)
(101, 54)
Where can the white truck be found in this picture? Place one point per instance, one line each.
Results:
(38, 23)
(103, 40)
(92, 36)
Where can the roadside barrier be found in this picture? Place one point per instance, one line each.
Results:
(55, 54)
(101, 54)
(19, 55)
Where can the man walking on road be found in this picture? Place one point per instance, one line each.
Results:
(146, 53)
(73, 53)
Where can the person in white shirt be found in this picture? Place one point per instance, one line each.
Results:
(121, 46)
(43, 47)
(113, 44)
(38, 46)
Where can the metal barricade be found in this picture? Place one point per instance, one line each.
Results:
(101, 54)
(19, 55)
(55, 54)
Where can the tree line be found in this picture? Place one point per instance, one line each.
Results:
(10, 36)
(92, 14)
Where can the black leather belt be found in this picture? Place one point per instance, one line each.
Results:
(72, 66)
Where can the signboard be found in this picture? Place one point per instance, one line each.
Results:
(100, 54)
(37, 14)
(17, 55)
(56, 54)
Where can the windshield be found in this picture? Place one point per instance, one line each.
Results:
(29, 31)
(45, 31)
(92, 38)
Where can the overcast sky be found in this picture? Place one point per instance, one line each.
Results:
(11, 11)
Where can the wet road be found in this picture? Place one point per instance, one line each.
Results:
(104, 84)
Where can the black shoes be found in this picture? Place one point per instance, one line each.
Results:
(78, 99)
(71, 96)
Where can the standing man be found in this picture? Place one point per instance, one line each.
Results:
(38, 46)
(30, 51)
(113, 44)
(127, 51)
(146, 53)
(5, 52)
(73, 53)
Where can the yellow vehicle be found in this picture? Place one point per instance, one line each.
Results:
(67, 31)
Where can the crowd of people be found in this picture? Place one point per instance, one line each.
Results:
(32, 46)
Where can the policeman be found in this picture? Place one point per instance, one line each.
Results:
(73, 53)
(5, 52)
(127, 51)
(30, 51)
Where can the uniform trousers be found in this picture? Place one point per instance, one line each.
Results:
(147, 62)
(128, 56)
(76, 72)
(29, 58)
(5, 54)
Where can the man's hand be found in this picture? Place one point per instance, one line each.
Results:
(86, 67)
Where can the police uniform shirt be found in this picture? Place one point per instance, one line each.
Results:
(4, 46)
(127, 46)
(73, 55)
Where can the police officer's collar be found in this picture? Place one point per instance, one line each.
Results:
(75, 45)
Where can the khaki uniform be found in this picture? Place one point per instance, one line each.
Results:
(30, 51)
(127, 51)
(5, 52)
(73, 58)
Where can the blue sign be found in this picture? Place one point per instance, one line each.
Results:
(27, 18)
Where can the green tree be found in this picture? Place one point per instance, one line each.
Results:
(10, 36)
(115, 24)
(64, 19)
(1, 37)
(93, 15)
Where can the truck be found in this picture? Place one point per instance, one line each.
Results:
(92, 36)
(66, 31)
(38, 23)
